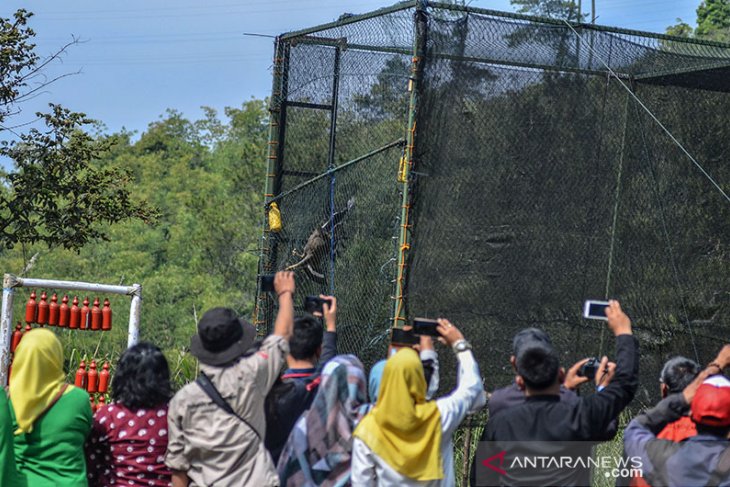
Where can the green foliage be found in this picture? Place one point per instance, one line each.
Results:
(713, 20)
(680, 29)
(57, 193)
(205, 179)
(557, 9)
(17, 59)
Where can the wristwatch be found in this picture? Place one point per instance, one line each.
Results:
(461, 346)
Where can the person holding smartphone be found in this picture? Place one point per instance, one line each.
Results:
(545, 424)
(216, 424)
(406, 439)
(310, 348)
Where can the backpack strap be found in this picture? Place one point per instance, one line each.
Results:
(209, 388)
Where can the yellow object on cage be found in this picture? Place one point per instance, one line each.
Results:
(402, 169)
(274, 218)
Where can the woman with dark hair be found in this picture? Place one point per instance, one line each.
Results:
(128, 437)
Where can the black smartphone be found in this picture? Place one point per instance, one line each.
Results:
(314, 304)
(267, 283)
(425, 326)
(404, 338)
(595, 310)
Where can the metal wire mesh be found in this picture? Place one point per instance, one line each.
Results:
(538, 181)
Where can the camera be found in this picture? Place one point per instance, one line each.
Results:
(589, 368)
(315, 304)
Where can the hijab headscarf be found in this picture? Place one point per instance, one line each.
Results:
(404, 429)
(36, 378)
(319, 448)
(374, 379)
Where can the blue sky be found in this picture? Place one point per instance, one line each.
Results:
(138, 58)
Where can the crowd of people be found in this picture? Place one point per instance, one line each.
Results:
(289, 411)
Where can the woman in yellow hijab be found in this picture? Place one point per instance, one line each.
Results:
(406, 440)
(51, 419)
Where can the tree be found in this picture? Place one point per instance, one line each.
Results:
(57, 193)
(680, 29)
(713, 20)
(557, 9)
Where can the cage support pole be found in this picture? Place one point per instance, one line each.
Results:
(331, 164)
(135, 312)
(6, 327)
(264, 304)
(414, 86)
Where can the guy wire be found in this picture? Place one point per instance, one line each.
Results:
(674, 139)
(665, 129)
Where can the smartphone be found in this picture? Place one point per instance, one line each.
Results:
(315, 304)
(267, 283)
(595, 310)
(404, 338)
(425, 326)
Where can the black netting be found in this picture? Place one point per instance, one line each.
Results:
(539, 181)
(359, 271)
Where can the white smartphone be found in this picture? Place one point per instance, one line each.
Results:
(595, 310)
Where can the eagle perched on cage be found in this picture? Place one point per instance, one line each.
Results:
(317, 249)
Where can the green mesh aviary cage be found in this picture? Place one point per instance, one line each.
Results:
(499, 169)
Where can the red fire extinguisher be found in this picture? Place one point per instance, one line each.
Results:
(31, 309)
(53, 311)
(106, 316)
(64, 313)
(17, 336)
(96, 316)
(85, 315)
(75, 314)
(92, 378)
(81, 376)
(43, 310)
(104, 378)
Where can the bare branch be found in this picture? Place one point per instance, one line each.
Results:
(30, 264)
(25, 96)
(50, 59)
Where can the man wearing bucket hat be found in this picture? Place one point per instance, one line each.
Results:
(216, 424)
(703, 459)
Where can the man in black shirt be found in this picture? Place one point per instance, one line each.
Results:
(544, 418)
(292, 394)
(512, 395)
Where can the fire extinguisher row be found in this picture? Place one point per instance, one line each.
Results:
(74, 317)
(96, 383)
(92, 380)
